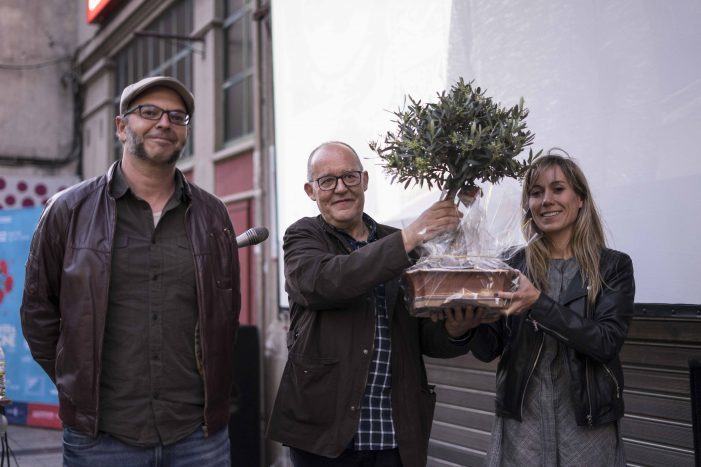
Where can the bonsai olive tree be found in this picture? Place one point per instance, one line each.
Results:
(463, 138)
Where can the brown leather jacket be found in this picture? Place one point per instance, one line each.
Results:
(66, 287)
(332, 329)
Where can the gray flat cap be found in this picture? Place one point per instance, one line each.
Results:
(132, 91)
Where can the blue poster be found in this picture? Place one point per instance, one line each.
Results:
(25, 381)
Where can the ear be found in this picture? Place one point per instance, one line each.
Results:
(366, 178)
(121, 124)
(309, 189)
(581, 202)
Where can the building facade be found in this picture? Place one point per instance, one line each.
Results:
(63, 65)
(39, 101)
(220, 50)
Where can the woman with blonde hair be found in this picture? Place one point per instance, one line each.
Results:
(559, 393)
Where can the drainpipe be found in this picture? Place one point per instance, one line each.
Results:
(262, 214)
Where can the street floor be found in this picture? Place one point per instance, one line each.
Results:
(35, 447)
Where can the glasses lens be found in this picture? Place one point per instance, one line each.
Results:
(150, 112)
(327, 183)
(351, 179)
(178, 117)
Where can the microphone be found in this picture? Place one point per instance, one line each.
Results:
(252, 236)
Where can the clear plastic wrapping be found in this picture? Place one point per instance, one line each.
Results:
(469, 266)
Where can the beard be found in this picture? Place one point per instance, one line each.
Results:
(135, 145)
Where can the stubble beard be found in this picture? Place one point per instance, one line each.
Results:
(135, 145)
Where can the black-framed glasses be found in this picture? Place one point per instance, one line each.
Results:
(329, 182)
(153, 112)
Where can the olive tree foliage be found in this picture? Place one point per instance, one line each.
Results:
(463, 138)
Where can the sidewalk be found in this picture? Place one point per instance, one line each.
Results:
(35, 447)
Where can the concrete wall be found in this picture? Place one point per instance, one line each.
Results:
(36, 103)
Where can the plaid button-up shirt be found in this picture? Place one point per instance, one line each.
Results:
(376, 428)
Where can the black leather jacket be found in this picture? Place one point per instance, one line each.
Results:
(593, 338)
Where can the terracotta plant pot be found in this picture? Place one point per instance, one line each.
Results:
(434, 289)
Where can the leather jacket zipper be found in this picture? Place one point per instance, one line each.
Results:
(590, 418)
(537, 325)
(199, 321)
(615, 381)
(535, 363)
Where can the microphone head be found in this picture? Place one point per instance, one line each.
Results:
(252, 236)
(258, 234)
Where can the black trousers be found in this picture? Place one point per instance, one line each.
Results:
(349, 458)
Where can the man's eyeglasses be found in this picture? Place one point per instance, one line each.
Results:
(153, 112)
(329, 182)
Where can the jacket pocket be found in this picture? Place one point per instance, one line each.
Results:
(58, 363)
(427, 408)
(64, 369)
(606, 392)
(614, 380)
(309, 386)
(222, 257)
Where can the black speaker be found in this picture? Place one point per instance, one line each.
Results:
(244, 424)
(695, 393)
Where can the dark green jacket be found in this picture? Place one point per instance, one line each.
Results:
(330, 343)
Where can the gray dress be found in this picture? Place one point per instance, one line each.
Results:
(549, 434)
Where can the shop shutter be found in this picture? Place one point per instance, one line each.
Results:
(657, 427)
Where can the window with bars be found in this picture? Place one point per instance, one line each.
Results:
(238, 69)
(151, 56)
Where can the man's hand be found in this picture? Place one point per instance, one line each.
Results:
(523, 299)
(460, 320)
(441, 217)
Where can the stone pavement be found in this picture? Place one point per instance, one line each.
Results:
(35, 447)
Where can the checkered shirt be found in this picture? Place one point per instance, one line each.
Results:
(376, 428)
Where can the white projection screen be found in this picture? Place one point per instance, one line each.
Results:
(615, 83)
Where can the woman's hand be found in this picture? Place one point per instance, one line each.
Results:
(521, 300)
(460, 320)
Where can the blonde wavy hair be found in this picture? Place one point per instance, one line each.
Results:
(587, 240)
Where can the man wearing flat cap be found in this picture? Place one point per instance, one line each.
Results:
(131, 300)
